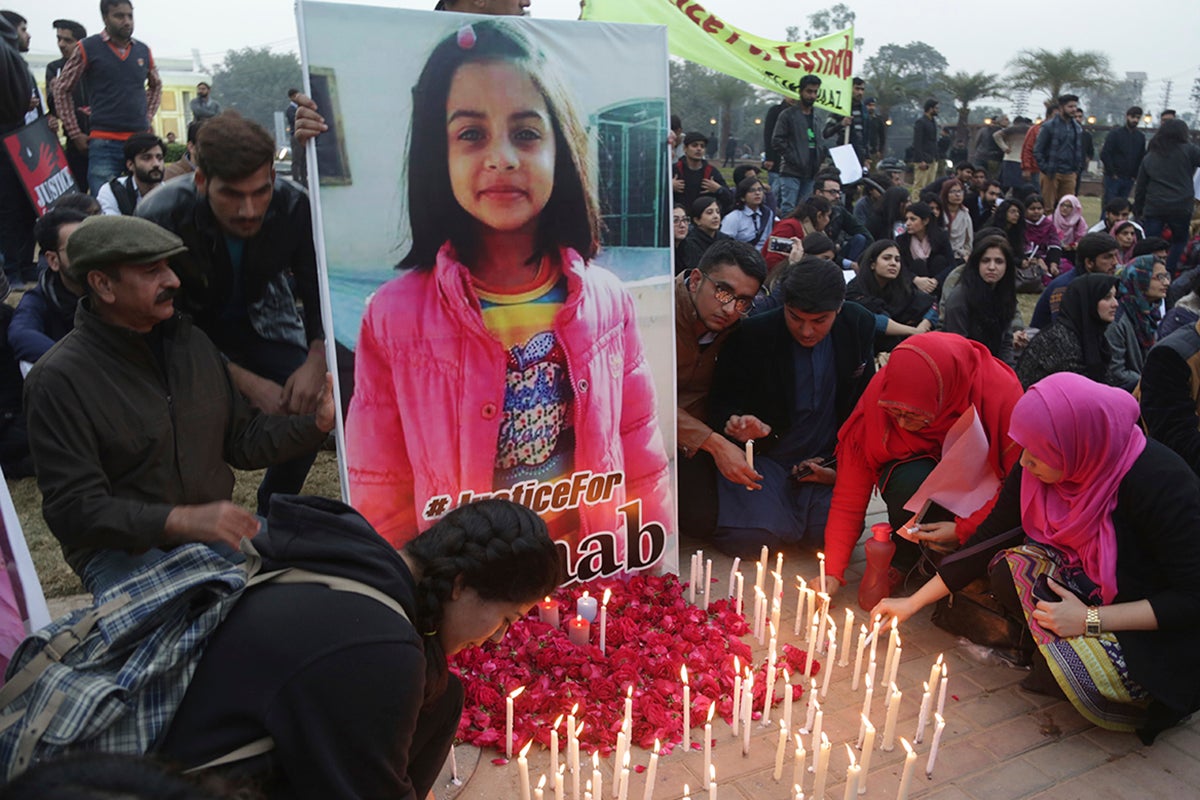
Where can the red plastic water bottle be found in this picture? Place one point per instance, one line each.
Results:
(879, 548)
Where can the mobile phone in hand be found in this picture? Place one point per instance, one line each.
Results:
(803, 470)
(1042, 590)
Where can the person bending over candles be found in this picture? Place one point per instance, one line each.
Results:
(894, 437)
(1112, 520)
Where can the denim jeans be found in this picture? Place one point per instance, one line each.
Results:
(106, 160)
(792, 191)
(1154, 226)
(1115, 188)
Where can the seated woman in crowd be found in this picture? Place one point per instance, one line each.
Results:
(1127, 235)
(750, 220)
(1043, 251)
(809, 216)
(894, 439)
(1070, 224)
(934, 201)
(983, 306)
(679, 231)
(1009, 217)
(925, 249)
(1112, 520)
(1075, 341)
(957, 220)
(1144, 284)
(884, 288)
(889, 222)
(706, 229)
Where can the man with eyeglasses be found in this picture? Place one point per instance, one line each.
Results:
(845, 229)
(788, 379)
(709, 302)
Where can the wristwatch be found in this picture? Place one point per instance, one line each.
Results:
(1092, 621)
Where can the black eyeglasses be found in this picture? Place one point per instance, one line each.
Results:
(725, 295)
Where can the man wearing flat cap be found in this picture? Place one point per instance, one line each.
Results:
(692, 175)
(133, 419)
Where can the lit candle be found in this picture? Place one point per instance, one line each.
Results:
(508, 720)
(889, 724)
(910, 763)
(829, 663)
(708, 737)
(758, 603)
(687, 792)
(454, 768)
(862, 641)
(579, 631)
(866, 708)
(585, 607)
(941, 708)
(712, 782)
(891, 678)
(847, 631)
(824, 620)
(787, 699)
(627, 724)
(935, 670)
(937, 740)
(687, 709)
(578, 766)
(763, 555)
(768, 695)
(693, 578)
(604, 621)
(873, 639)
(523, 770)
(554, 745)
(597, 785)
(548, 612)
(707, 583)
(617, 761)
(822, 771)
(800, 590)
(587, 794)
(539, 793)
(780, 752)
(623, 793)
(776, 611)
(852, 773)
(779, 573)
(812, 705)
(798, 795)
(732, 572)
(572, 741)
(747, 710)
(558, 783)
(923, 718)
(868, 745)
(871, 674)
(650, 772)
(798, 764)
(737, 694)
(741, 594)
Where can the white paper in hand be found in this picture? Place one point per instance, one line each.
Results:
(846, 160)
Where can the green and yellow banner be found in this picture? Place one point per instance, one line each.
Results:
(697, 35)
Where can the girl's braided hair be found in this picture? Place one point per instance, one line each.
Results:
(503, 552)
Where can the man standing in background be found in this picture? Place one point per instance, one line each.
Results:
(69, 33)
(202, 106)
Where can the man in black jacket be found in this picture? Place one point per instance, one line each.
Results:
(249, 235)
(68, 34)
(925, 147)
(788, 379)
(1121, 156)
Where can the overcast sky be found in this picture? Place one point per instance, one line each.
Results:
(972, 36)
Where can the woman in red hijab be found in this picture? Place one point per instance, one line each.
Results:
(893, 439)
(1094, 546)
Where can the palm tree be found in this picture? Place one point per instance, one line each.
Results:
(1053, 73)
(729, 93)
(966, 88)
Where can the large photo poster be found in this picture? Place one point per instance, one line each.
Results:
(496, 243)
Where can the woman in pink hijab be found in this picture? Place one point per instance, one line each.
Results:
(1094, 547)
(1070, 224)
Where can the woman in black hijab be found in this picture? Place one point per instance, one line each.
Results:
(1075, 341)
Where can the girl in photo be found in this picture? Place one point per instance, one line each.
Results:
(500, 356)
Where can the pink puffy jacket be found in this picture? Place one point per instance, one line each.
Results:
(429, 395)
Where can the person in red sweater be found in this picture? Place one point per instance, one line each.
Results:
(894, 437)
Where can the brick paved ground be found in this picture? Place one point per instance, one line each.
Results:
(1000, 743)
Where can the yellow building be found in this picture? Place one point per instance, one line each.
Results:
(179, 77)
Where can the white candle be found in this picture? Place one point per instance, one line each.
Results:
(687, 792)
(508, 720)
(891, 678)
(763, 555)
(935, 670)
(650, 772)
(780, 752)
(910, 763)
(627, 724)
(758, 601)
(852, 773)
(558, 783)
(692, 579)
(871, 674)
(623, 792)
(585, 607)
(868, 745)
(874, 637)
(604, 622)
(597, 781)
(523, 770)
(818, 724)
(847, 631)
(798, 764)
(941, 707)
(554, 745)
(893, 642)
(741, 593)
(787, 699)
(937, 740)
(707, 583)
(759, 572)
(779, 571)
(776, 611)
(708, 737)
(617, 761)
(687, 710)
(750, 454)
(737, 694)
(821, 562)
(822, 758)
(923, 718)
(866, 708)
(712, 782)
(454, 768)
(889, 725)
(575, 778)
(800, 590)
(824, 620)
(812, 647)
(732, 572)
(769, 693)
(862, 641)
(539, 793)
(829, 663)
(573, 752)
(747, 710)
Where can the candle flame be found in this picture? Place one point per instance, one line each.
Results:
(824, 740)
(579, 730)
(940, 719)
(657, 746)
(711, 708)
(547, 601)
(683, 674)
(525, 749)
(625, 764)
(939, 661)
(850, 752)
(558, 722)
(926, 685)
(595, 761)
(868, 726)
(562, 769)
(585, 594)
(787, 678)
(516, 692)
(712, 772)
(607, 595)
(574, 708)
(541, 784)
(686, 790)
(803, 584)
(943, 671)
(587, 787)
(737, 666)
(895, 622)
(864, 629)
(820, 556)
(799, 743)
(907, 747)
(771, 625)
